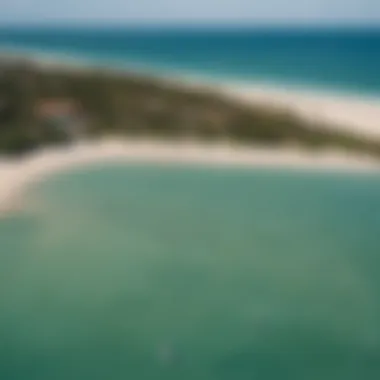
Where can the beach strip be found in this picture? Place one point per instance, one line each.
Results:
(16, 176)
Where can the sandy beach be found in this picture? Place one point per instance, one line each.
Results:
(348, 112)
(17, 175)
(352, 114)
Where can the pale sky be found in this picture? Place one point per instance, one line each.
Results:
(191, 11)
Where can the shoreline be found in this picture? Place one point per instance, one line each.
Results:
(346, 112)
(18, 175)
(357, 116)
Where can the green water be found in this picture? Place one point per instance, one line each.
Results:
(132, 272)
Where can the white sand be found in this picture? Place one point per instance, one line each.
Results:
(352, 113)
(17, 176)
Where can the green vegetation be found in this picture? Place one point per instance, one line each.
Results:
(110, 103)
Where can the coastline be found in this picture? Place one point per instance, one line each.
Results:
(347, 112)
(357, 116)
(17, 176)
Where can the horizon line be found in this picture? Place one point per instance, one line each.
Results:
(190, 25)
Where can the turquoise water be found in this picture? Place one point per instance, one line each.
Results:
(140, 272)
(338, 60)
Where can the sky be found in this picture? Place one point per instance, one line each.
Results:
(191, 11)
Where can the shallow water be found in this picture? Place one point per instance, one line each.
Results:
(139, 272)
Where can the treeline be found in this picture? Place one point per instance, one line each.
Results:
(110, 103)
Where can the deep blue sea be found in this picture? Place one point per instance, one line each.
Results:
(141, 272)
(343, 60)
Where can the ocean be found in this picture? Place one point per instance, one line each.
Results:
(142, 272)
(338, 60)
(166, 272)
